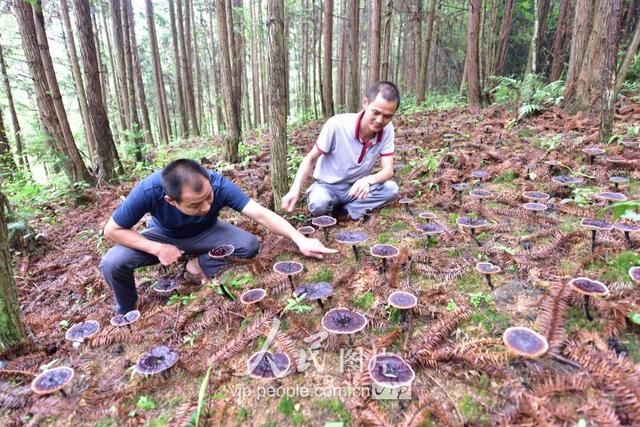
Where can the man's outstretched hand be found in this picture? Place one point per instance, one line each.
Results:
(289, 201)
(168, 254)
(314, 248)
(360, 189)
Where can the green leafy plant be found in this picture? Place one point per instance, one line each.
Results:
(531, 95)
(181, 299)
(295, 305)
(237, 281)
(191, 338)
(478, 299)
(452, 306)
(145, 403)
(202, 395)
(629, 210)
(364, 301)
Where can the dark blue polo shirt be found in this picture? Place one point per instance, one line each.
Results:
(148, 196)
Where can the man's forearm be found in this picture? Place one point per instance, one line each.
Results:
(278, 225)
(303, 173)
(133, 239)
(379, 177)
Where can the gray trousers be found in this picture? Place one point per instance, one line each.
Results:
(118, 264)
(323, 198)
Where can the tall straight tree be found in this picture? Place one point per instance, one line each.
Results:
(387, 18)
(327, 66)
(161, 97)
(628, 58)
(77, 78)
(106, 154)
(7, 164)
(123, 90)
(374, 42)
(503, 40)
(187, 81)
(342, 58)
(137, 76)
(22, 158)
(255, 64)
(557, 63)
(278, 123)
(541, 11)
(473, 58)
(426, 53)
(177, 65)
(12, 331)
(353, 65)
(69, 155)
(231, 119)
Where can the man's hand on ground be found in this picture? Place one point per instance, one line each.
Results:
(360, 189)
(313, 248)
(168, 254)
(289, 201)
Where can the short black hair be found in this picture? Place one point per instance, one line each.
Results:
(182, 172)
(386, 89)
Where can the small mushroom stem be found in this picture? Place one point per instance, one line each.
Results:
(409, 209)
(326, 234)
(585, 307)
(591, 159)
(409, 330)
(474, 237)
(488, 277)
(350, 340)
(291, 282)
(355, 252)
(321, 305)
(63, 393)
(627, 237)
(384, 265)
(615, 186)
(593, 240)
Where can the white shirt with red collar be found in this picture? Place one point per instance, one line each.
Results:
(346, 157)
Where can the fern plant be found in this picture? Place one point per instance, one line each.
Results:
(531, 95)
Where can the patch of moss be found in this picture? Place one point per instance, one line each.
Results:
(618, 267)
(398, 226)
(472, 410)
(506, 177)
(385, 237)
(242, 415)
(490, 319)
(323, 275)
(364, 301)
(576, 321)
(105, 422)
(471, 282)
(286, 406)
(161, 421)
(569, 225)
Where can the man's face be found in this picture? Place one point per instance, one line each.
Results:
(378, 113)
(194, 203)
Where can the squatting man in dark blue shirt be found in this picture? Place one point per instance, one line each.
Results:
(184, 200)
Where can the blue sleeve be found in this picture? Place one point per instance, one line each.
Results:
(232, 196)
(133, 208)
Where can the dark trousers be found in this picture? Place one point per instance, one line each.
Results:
(118, 264)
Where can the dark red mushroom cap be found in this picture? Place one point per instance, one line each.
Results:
(52, 380)
(314, 291)
(265, 365)
(618, 179)
(253, 296)
(343, 321)
(402, 300)
(323, 221)
(531, 206)
(390, 370)
(468, 222)
(125, 319)
(384, 251)
(165, 285)
(525, 342)
(611, 196)
(634, 273)
(593, 151)
(535, 195)
(222, 251)
(595, 224)
(351, 237)
(289, 268)
(588, 286)
(156, 360)
(626, 227)
(481, 192)
(487, 268)
(430, 228)
(306, 230)
(480, 174)
(460, 186)
(565, 180)
(427, 215)
(81, 331)
(405, 201)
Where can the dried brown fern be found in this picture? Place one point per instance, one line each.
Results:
(552, 317)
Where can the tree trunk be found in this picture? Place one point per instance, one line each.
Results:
(541, 11)
(184, 124)
(7, 165)
(161, 97)
(374, 43)
(386, 42)
(230, 116)
(22, 158)
(423, 74)
(80, 172)
(187, 80)
(505, 29)
(557, 64)
(195, 63)
(116, 24)
(114, 75)
(255, 71)
(353, 65)
(628, 59)
(327, 72)
(12, 331)
(278, 125)
(77, 78)
(473, 71)
(105, 147)
(214, 74)
(341, 57)
(581, 29)
(131, 86)
(236, 61)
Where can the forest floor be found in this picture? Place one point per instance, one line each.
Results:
(464, 375)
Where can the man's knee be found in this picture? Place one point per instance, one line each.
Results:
(249, 246)
(390, 189)
(109, 265)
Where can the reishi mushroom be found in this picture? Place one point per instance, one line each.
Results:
(81, 331)
(253, 296)
(588, 287)
(265, 365)
(342, 321)
(352, 238)
(487, 269)
(324, 222)
(384, 251)
(472, 224)
(52, 380)
(525, 342)
(315, 292)
(289, 269)
(156, 360)
(595, 225)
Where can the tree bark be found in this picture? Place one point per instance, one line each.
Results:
(277, 73)
(541, 11)
(582, 22)
(116, 24)
(114, 75)
(137, 130)
(473, 71)
(557, 64)
(77, 78)
(184, 124)
(353, 77)
(105, 147)
(187, 80)
(255, 71)
(423, 74)
(22, 158)
(628, 59)
(505, 29)
(327, 71)
(386, 42)
(198, 68)
(12, 330)
(230, 117)
(161, 96)
(374, 44)
(7, 165)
